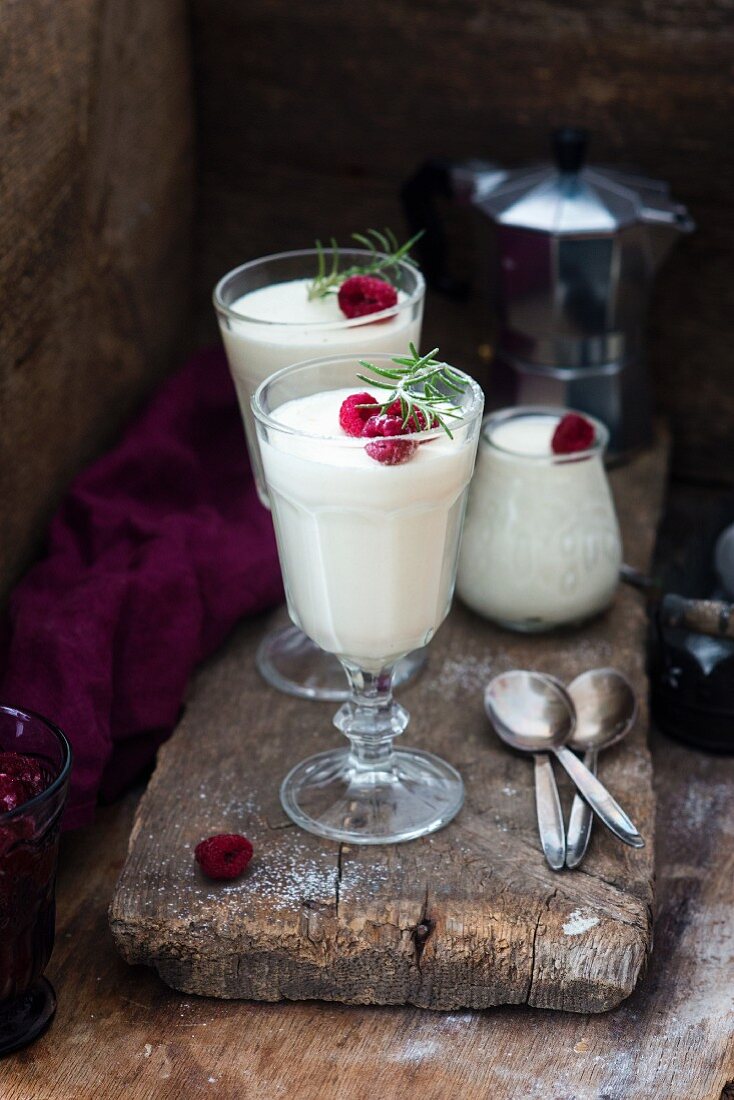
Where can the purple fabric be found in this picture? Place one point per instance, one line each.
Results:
(155, 553)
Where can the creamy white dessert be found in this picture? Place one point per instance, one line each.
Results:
(541, 544)
(277, 325)
(368, 551)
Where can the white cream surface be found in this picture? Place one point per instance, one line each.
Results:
(279, 326)
(526, 435)
(541, 544)
(288, 302)
(368, 551)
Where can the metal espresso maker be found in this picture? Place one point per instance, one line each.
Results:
(576, 251)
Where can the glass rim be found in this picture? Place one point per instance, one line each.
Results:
(317, 326)
(502, 416)
(351, 442)
(60, 779)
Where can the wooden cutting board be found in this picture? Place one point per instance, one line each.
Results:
(468, 917)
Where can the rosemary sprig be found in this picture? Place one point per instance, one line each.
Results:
(385, 255)
(414, 382)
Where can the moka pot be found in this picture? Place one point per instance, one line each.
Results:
(577, 248)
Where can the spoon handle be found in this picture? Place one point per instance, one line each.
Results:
(550, 816)
(600, 800)
(579, 823)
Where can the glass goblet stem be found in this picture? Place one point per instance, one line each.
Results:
(370, 718)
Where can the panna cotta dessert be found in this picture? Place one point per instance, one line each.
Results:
(541, 545)
(367, 486)
(270, 317)
(368, 547)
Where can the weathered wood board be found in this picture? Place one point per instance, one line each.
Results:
(470, 917)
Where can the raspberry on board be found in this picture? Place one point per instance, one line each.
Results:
(224, 856)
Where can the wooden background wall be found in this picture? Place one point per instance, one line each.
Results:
(310, 115)
(95, 217)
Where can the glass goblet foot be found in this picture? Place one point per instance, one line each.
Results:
(371, 793)
(289, 661)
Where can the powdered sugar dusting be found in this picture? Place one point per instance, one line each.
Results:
(296, 878)
(577, 923)
(468, 674)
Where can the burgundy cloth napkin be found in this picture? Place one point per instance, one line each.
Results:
(156, 552)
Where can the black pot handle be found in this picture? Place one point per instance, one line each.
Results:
(432, 181)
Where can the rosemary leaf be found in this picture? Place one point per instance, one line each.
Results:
(415, 383)
(384, 256)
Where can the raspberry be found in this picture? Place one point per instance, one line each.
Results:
(416, 422)
(13, 793)
(385, 447)
(383, 425)
(223, 856)
(26, 768)
(573, 433)
(391, 452)
(352, 419)
(361, 295)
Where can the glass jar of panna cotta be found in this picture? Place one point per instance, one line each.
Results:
(541, 546)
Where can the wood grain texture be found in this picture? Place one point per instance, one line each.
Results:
(470, 917)
(121, 1034)
(311, 115)
(95, 210)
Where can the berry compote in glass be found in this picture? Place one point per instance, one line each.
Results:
(35, 761)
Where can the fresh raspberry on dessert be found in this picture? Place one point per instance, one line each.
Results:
(352, 418)
(416, 422)
(360, 295)
(26, 768)
(573, 433)
(391, 452)
(13, 793)
(383, 425)
(223, 856)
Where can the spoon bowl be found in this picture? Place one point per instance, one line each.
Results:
(529, 711)
(724, 559)
(606, 709)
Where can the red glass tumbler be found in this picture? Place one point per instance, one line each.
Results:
(29, 844)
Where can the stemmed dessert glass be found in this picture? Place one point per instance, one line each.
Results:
(256, 349)
(368, 554)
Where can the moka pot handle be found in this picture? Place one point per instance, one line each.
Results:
(419, 195)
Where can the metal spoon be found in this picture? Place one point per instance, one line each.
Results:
(724, 559)
(606, 709)
(551, 826)
(532, 713)
(549, 812)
